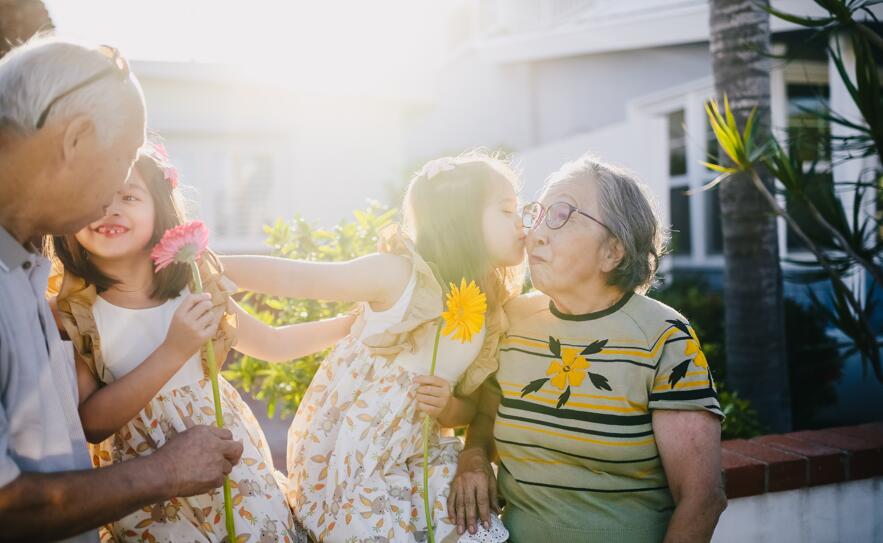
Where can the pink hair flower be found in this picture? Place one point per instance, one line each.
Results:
(161, 151)
(183, 244)
(169, 172)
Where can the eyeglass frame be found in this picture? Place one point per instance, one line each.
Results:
(118, 65)
(543, 216)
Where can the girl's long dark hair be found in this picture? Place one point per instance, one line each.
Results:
(168, 213)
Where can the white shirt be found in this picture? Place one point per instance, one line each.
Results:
(129, 336)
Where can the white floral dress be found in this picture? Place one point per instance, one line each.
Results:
(113, 341)
(355, 452)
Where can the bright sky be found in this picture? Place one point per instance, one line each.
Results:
(334, 41)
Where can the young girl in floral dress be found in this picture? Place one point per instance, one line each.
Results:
(355, 456)
(137, 336)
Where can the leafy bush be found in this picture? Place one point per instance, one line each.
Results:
(282, 386)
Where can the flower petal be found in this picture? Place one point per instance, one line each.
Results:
(554, 367)
(576, 378)
(559, 381)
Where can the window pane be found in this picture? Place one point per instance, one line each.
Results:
(679, 204)
(820, 189)
(806, 130)
(677, 144)
(714, 234)
(243, 205)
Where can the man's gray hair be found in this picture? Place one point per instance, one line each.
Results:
(34, 73)
(628, 211)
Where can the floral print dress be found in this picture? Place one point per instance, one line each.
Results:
(355, 452)
(112, 341)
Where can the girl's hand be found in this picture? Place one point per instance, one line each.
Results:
(433, 395)
(194, 323)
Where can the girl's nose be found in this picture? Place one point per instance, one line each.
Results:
(114, 208)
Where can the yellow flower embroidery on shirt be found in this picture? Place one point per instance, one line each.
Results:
(568, 371)
(694, 347)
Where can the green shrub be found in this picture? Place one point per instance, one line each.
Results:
(282, 386)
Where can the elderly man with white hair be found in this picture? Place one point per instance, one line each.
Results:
(71, 122)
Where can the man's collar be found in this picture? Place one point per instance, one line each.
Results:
(12, 254)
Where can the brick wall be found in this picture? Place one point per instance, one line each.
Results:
(775, 463)
(804, 487)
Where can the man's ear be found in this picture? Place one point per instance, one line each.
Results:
(614, 252)
(78, 136)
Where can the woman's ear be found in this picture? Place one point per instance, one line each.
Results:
(613, 254)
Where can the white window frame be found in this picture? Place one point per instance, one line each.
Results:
(691, 98)
(781, 75)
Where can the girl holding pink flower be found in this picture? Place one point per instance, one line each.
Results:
(137, 333)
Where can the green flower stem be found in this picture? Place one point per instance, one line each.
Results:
(219, 417)
(426, 425)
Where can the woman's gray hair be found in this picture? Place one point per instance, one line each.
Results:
(627, 209)
(34, 73)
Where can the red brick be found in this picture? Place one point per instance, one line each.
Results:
(743, 475)
(784, 470)
(865, 459)
(871, 432)
(827, 465)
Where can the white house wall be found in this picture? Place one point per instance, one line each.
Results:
(329, 155)
(474, 104)
(585, 93)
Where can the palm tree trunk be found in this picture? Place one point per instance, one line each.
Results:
(756, 362)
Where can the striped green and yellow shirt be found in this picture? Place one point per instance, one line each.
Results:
(578, 458)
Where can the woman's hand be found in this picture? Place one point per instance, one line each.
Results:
(433, 395)
(474, 489)
(193, 324)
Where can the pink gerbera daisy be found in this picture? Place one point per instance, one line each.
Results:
(183, 244)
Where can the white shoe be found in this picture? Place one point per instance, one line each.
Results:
(497, 534)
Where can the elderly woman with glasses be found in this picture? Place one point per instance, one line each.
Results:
(603, 418)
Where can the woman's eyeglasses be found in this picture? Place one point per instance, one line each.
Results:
(118, 67)
(555, 216)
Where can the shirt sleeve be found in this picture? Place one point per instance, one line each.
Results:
(683, 379)
(9, 470)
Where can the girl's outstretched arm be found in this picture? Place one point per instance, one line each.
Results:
(278, 344)
(377, 278)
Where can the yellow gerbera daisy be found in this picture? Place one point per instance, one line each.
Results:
(569, 370)
(466, 307)
(693, 347)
